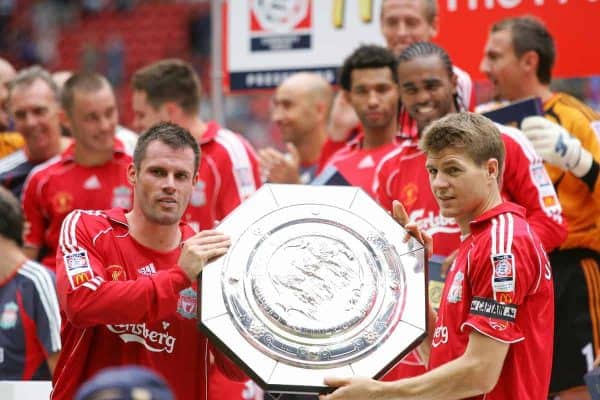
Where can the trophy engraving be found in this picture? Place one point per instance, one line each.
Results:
(318, 286)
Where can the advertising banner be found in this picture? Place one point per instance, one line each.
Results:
(266, 40)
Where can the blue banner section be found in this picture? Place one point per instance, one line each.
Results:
(269, 79)
(280, 43)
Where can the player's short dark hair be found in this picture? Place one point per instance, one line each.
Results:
(170, 134)
(430, 7)
(11, 217)
(169, 80)
(530, 34)
(475, 134)
(367, 57)
(81, 81)
(27, 76)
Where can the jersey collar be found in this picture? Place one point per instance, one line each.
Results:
(481, 222)
(118, 215)
(68, 154)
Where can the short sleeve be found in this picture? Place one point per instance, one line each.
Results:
(500, 274)
(40, 297)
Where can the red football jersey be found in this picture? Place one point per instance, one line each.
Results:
(402, 176)
(201, 212)
(501, 286)
(233, 168)
(228, 174)
(60, 185)
(358, 165)
(123, 303)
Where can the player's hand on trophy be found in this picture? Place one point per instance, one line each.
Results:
(556, 146)
(277, 167)
(198, 250)
(355, 388)
(401, 216)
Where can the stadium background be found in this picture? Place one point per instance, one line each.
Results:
(116, 37)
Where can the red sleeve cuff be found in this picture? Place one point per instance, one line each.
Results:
(501, 330)
(179, 279)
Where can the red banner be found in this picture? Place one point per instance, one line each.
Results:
(574, 24)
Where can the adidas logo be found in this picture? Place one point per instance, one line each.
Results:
(92, 183)
(147, 270)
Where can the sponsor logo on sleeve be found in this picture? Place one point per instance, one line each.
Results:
(78, 268)
(547, 194)
(9, 316)
(549, 201)
(80, 278)
(504, 297)
(503, 279)
(76, 261)
(493, 309)
(540, 176)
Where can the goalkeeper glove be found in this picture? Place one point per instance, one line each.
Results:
(556, 146)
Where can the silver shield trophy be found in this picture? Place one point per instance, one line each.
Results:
(318, 282)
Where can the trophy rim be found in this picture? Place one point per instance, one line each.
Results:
(377, 244)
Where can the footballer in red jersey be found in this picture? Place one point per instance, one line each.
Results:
(236, 171)
(228, 174)
(370, 83)
(126, 280)
(90, 174)
(355, 164)
(500, 285)
(491, 337)
(169, 90)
